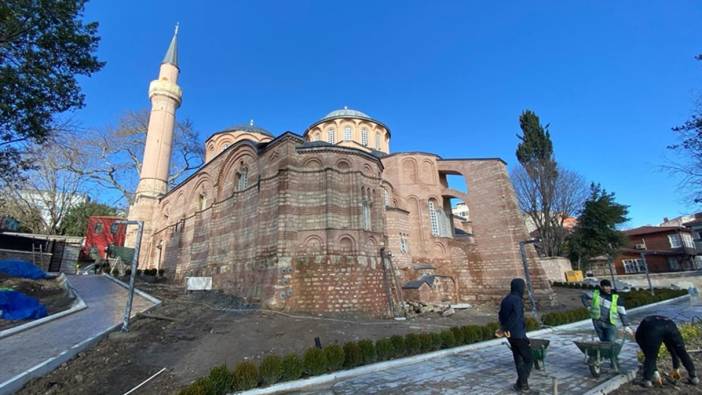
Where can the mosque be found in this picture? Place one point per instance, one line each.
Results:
(327, 221)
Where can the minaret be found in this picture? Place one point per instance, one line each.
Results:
(165, 97)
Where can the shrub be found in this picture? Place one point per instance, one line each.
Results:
(412, 344)
(139, 272)
(398, 346)
(384, 349)
(161, 272)
(436, 341)
(447, 339)
(491, 328)
(486, 333)
(128, 272)
(271, 369)
(292, 367)
(352, 355)
(472, 333)
(335, 357)
(221, 379)
(425, 341)
(458, 335)
(315, 361)
(245, 376)
(201, 386)
(532, 324)
(368, 351)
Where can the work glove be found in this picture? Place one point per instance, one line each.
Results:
(501, 333)
(674, 374)
(629, 331)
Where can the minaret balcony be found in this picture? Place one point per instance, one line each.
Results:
(165, 88)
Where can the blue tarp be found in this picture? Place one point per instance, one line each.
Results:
(15, 305)
(18, 268)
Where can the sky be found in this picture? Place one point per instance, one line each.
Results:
(449, 77)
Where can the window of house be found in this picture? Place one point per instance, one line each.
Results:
(243, 179)
(687, 240)
(114, 228)
(98, 227)
(377, 140)
(364, 137)
(331, 136)
(675, 241)
(633, 265)
(347, 133)
(698, 262)
(433, 219)
(673, 263)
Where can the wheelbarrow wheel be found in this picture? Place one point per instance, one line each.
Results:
(537, 364)
(595, 370)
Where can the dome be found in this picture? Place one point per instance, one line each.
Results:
(246, 127)
(346, 113)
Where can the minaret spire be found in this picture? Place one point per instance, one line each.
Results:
(172, 52)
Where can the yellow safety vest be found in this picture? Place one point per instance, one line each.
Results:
(595, 310)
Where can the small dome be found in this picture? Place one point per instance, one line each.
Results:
(346, 113)
(246, 127)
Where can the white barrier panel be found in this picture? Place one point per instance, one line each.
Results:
(198, 283)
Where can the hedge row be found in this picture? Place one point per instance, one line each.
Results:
(315, 361)
(634, 298)
(572, 285)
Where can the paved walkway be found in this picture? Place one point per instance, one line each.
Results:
(49, 345)
(490, 370)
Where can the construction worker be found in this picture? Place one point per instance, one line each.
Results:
(606, 309)
(513, 327)
(653, 331)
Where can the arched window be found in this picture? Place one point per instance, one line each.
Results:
(347, 133)
(377, 140)
(242, 179)
(331, 136)
(364, 137)
(366, 215)
(202, 202)
(386, 197)
(433, 219)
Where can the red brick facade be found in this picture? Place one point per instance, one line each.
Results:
(305, 230)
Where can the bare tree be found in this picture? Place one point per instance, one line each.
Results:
(688, 162)
(111, 158)
(42, 198)
(565, 200)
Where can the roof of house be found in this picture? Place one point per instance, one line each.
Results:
(645, 230)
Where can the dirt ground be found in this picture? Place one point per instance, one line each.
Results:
(53, 296)
(200, 333)
(665, 365)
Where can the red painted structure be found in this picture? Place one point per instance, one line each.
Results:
(102, 232)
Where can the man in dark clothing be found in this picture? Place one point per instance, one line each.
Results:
(653, 331)
(512, 324)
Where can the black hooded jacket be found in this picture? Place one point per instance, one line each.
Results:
(512, 310)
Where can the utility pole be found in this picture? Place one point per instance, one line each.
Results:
(132, 275)
(525, 263)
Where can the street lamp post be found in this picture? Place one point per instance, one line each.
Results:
(648, 276)
(132, 275)
(525, 263)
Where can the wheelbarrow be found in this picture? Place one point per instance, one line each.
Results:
(538, 352)
(597, 352)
